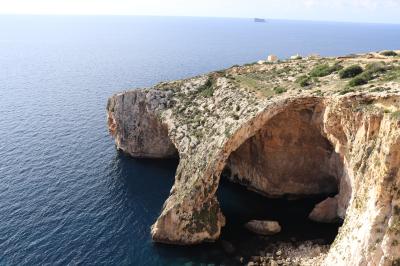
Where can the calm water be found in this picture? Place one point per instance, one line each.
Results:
(66, 195)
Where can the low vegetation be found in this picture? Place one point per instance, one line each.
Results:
(304, 80)
(392, 74)
(207, 90)
(389, 53)
(360, 79)
(279, 90)
(350, 72)
(371, 72)
(376, 67)
(324, 70)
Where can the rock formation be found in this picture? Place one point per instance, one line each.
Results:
(280, 129)
(325, 211)
(263, 227)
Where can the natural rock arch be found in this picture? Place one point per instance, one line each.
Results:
(200, 204)
(367, 142)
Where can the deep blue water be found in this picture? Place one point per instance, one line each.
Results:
(66, 195)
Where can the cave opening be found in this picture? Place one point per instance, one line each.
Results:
(281, 174)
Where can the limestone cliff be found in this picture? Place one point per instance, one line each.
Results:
(284, 128)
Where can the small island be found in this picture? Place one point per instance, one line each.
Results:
(261, 20)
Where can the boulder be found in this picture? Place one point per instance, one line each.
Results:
(263, 227)
(325, 211)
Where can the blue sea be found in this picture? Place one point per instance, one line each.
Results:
(67, 196)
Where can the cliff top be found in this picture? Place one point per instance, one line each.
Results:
(316, 75)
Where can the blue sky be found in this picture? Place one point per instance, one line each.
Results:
(384, 11)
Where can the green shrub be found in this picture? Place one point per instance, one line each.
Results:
(370, 73)
(303, 81)
(361, 79)
(324, 70)
(392, 74)
(350, 72)
(279, 90)
(389, 53)
(357, 81)
(207, 90)
(376, 67)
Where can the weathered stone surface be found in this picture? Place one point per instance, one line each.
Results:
(323, 138)
(263, 227)
(289, 155)
(134, 124)
(325, 211)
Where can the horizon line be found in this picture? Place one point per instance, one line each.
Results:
(191, 16)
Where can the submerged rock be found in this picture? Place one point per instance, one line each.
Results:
(263, 227)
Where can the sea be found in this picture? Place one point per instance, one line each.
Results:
(67, 196)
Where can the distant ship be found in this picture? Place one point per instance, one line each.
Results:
(259, 20)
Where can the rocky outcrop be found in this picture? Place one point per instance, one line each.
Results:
(276, 137)
(263, 227)
(134, 124)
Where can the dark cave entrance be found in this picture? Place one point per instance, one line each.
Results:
(239, 205)
(280, 174)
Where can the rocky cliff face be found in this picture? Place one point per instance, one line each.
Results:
(135, 126)
(277, 135)
(289, 155)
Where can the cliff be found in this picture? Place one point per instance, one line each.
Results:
(292, 128)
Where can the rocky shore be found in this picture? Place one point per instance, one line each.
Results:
(308, 253)
(293, 128)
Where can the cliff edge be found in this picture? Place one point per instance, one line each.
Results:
(296, 127)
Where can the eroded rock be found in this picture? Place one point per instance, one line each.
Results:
(257, 110)
(288, 156)
(325, 211)
(263, 227)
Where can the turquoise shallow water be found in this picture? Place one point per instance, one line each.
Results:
(67, 197)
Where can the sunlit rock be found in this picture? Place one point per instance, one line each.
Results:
(280, 133)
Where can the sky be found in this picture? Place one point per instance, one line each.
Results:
(373, 11)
